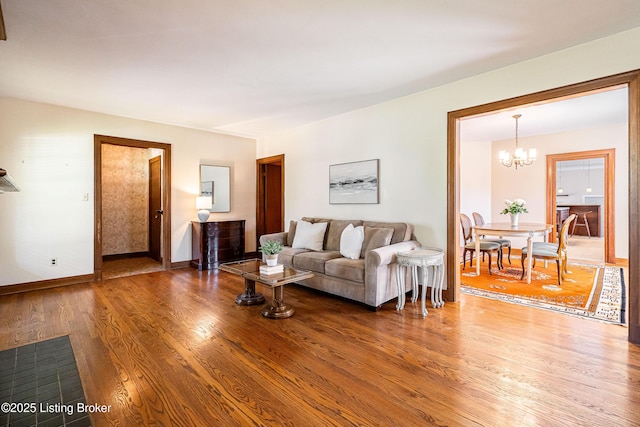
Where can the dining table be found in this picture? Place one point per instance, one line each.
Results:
(501, 229)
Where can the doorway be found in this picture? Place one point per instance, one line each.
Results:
(270, 195)
(606, 214)
(155, 209)
(632, 81)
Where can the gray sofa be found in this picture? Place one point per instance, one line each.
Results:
(371, 279)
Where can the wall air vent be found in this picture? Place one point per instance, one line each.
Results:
(6, 183)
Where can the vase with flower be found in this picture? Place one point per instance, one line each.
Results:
(514, 209)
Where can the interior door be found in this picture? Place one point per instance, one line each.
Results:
(270, 195)
(273, 199)
(155, 208)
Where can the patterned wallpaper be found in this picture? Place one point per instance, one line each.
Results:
(125, 199)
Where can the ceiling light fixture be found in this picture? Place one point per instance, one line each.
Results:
(560, 189)
(588, 175)
(520, 157)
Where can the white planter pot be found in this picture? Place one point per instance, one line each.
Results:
(271, 260)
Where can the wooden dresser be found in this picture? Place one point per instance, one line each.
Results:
(215, 242)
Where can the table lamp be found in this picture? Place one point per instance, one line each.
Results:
(203, 204)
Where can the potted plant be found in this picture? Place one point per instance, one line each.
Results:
(270, 249)
(514, 208)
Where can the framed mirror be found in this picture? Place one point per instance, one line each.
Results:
(215, 182)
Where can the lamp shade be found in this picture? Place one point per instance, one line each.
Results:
(203, 202)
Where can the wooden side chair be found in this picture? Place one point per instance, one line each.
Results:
(504, 243)
(486, 247)
(552, 251)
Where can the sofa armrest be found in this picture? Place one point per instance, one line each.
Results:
(279, 237)
(387, 254)
(380, 283)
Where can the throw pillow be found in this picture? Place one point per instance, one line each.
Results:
(309, 236)
(375, 238)
(351, 241)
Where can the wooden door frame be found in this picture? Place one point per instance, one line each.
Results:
(609, 156)
(98, 141)
(277, 159)
(630, 79)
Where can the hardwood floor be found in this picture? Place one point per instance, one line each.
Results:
(112, 269)
(172, 348)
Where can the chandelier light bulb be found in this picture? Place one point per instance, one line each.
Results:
(520, 157)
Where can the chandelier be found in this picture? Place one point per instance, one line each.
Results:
(519, 157)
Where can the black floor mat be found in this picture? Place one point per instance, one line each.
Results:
(40, 386)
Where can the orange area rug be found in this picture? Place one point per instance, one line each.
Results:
(593, 291)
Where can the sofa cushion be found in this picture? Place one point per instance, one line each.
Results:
(315, 221)
(375, 238)
(309, 236)
(334, 233)
(401, 230)
(344, 268)
(286, 256)
(291, 234)
(351, 241)
(314, 261)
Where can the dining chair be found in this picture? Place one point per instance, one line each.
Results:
(554, 246)
(552, 251)
(504, 243)
(486, 247)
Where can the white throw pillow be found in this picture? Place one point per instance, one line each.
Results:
(309, 236)
(351, 241)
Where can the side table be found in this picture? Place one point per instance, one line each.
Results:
(429, 259)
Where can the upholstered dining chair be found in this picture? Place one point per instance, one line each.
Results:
(552, 251)
(504, 243)
(486, 247)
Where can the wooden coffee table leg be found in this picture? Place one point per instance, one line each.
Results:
(278, 309)
(250, 296)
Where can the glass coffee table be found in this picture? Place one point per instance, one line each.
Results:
(250, 270)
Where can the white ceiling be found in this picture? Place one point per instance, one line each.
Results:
(583, 112)
(255, 66)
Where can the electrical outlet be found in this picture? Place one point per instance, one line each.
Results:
(85, 197)
(54, 261)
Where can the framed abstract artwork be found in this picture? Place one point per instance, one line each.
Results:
(354, 183)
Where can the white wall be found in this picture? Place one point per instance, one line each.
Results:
(409, 136)
(475, 179)
(575, 181)
(48, 150)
